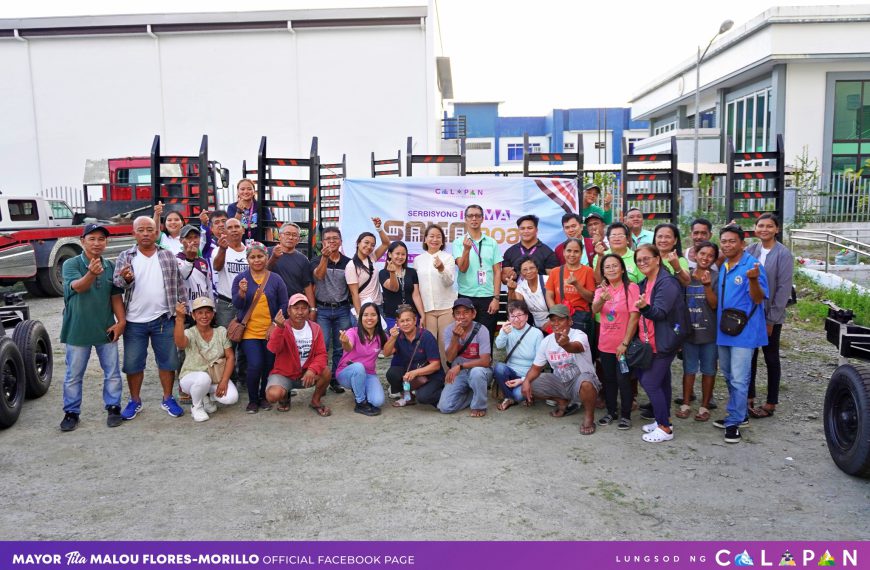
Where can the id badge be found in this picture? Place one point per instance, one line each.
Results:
(481, 277)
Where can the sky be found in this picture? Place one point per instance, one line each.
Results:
(533, 56)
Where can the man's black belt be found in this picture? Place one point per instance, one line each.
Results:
(333, 305)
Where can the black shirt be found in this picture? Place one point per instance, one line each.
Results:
(392, 299)
(295, 270)
(541, 254)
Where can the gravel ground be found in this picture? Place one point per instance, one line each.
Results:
(415, 474)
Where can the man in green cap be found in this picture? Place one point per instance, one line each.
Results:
(591, 194)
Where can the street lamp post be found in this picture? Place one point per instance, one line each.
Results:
(724, 27)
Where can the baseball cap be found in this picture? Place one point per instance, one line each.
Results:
(201, 302)
(559, 310)
(593, 215)
(90, 228)
(463, 302)
(592, 186)
(189, 228)
(298, 298)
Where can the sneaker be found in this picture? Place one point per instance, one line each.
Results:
(208, 405)
(114, 418)
(252, 407)
(265, 405)
(395, 395)
(70, 422)
(336, 387)
(199, 414)
(649, 428)
(365, 409)
(647, 406)
(606, 420)
(721, 423)
(132, 410)
(376, 411)
(172, 408)
(712, 405)
(624, 423)
(732, 434)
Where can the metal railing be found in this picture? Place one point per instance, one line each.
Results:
(843, 199)
(829, 239)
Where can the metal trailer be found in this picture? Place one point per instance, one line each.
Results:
(754, 185)
(654, 190)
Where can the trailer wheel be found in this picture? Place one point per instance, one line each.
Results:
(51, 278)
(34, 289)
(12, 383)
(847, 419)
(34, 344)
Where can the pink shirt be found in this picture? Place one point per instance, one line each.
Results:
(646, 328)
(364, 353)
(615, 315)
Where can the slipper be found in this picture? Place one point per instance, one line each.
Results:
(505, 404)
(685, 412)
(649, 428)
(562, 412)
(658, 435)
(703, 415)
(477, 413)
(587, 430)
(761, 412)
(402, 402)
(321, 410)
(283, 405)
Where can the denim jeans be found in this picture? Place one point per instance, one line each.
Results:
(736, 366)
(366, 387)
(260, 362)
(501, 373)
(468, 389)
(77, 362)
(160, 332)
(333, 320)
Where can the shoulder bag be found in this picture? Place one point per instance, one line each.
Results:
(215, 370)
(733, 321)
(639, 353)
(474, 330)
(236, 329)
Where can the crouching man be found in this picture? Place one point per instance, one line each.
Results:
(573, 376)
(300, 354)
(469, 356)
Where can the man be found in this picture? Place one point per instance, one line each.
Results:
(332, 296)
(742, 286)
(300, 354)
(702, 230)
(469, 355)
(292, 265)
(229, 260)
(591, 194)
(572, 226)
(479, 258)
(93, 316)
(568, 353)
(195, 271)
(213, 228)
(152, 286)
(593, 236)
(529, 245)
(634, 221)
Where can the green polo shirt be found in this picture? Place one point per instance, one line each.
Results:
(489, 255)
(86, 316)
(607, 215)
(634, 274)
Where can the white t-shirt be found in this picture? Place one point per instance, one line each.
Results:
(762, 255)
(171, 243)
(196, 282)
(303, 342)
(235, 262)
(565, 365)
(149, 296)
(537, 301)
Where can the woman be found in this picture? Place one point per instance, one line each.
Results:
(573, 284)
(362, 282)
(618, 238)
(778, 262)
(664, 324)
(416, 361)
(204, 345)
(616, 302)
(436, 271)
(399, 282)
(666, 238)
(260, 308)
(700, 350)
(356, 369)
(173, 222)
(521, 340)
(531, 289)
(245, 209)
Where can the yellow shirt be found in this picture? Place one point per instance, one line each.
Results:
(260, 319)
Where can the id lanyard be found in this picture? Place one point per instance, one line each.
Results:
(531, 252)
(477, 247)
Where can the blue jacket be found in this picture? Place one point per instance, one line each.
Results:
(667, 310)
(275, 292)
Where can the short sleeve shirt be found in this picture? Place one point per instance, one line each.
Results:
(295, 270)
(585, 278)
(478, 346)
(566, 366)
(426, 352)
(87, 315)
(199, 354)
(249, 218)
(365, 353)
(484, 257)
(615, 315)
(333, 287)
(736, 296)
(544, 257)
(634, 274)
(701, 315)
(372, 291)
(392, 299)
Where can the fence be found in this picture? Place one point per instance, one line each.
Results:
(844, 199)
(74, 196)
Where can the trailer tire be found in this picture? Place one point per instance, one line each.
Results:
(12, 383)
(51, 278)
(34, 344)
(34, 289)
(847, 419)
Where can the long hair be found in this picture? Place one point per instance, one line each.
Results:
(678, 245)
(379, 330)
(624, 277)
(357, 262)
(392, 248)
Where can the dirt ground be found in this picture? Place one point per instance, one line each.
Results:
(414, 474)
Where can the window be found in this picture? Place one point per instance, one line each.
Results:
(747, 121)
(479, 146)
(23, 211)
(515, 150)
(569, 146)
(60, 211)
(851, 141)
(630, 142)
(665, 128)
(134, 176)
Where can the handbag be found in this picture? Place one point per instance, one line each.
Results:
(419, 381)
(236, 329)
(215, 370)
(639, 353)
(733, 321)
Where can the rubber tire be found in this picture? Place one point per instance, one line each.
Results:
(33, 342)
(847, 400)
(10, 362)
(51, 278)
(34, 289)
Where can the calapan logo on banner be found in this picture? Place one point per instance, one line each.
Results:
(407, 205)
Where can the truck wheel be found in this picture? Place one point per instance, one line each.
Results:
(34, 289)
(33, 342)
(847, 419)
(51, 278)
(12, 382)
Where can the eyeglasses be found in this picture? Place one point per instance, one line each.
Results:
(473, 216)
(517, 316)
(291, 235)
(643, 260)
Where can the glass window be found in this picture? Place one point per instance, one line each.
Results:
(847, 97)
(747, 121)
(851, 136)
(140, 176)
(23, 211)
(515, 151)
(60, 211)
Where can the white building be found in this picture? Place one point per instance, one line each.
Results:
(76, 88)
(803, 72)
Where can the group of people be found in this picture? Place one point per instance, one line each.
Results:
(610, 306)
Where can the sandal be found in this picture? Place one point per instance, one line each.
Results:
(587, 429)
(402, 402)
(703, 415)
(505, 404)
(761, 412)
(283, 405)
(562, 412)
(685, 412)
(321, 410)
(658, 435)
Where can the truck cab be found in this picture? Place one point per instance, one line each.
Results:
(29, 212)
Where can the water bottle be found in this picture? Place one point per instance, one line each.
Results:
(406, 391)
(623, 364)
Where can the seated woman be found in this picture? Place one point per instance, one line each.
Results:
(521, 340)
(204, 345)
(356, 369)
(416, 360)
(531, 288)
